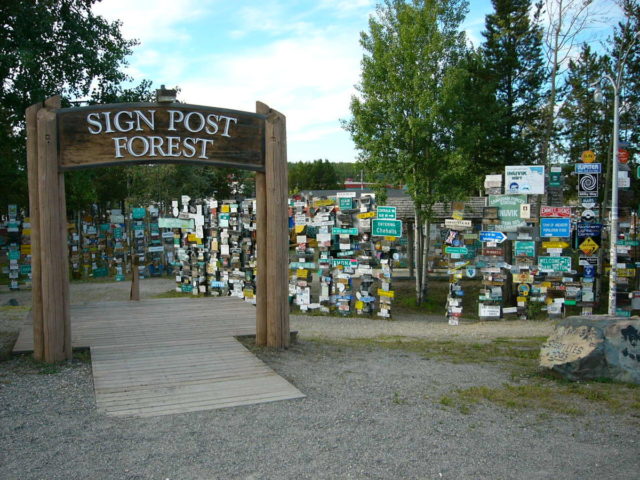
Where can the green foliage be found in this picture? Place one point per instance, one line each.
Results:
(49, 47)
(316, 175)
(514, 63)
(413, 53)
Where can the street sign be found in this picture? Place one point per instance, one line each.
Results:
(588, 168)
(623, 155)
(555, 244)
(554, 264)
(489, 236)
(588, 156)
(546, 211)
(457, 224)
(527, 179)
(508, 211)
(387, 213)
(524, 248)
(386, 228)
(587, 184)
(525, 210)
(589, 246)
(555, 227)
(345, 203)
(462, 250)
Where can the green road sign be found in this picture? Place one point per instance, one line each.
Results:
(344, 231)
(386, 228)
(462, 250)
(345, 203)
(387, 213)
(554, 264)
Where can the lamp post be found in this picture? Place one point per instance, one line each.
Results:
(613, 228)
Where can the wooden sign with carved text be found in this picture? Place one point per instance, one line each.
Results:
(154, 133)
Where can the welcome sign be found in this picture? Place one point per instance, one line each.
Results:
(148, 133)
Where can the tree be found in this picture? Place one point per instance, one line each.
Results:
(513, 57)
(49, 47)
(412, 56)
(565, 21)
(317, 175)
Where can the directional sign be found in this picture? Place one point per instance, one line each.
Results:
(555, 244)
(554, 264)
(387, 213)
(555, 227)
(386, 228)
(588, 168)
(589, 246)
(489, 236)
(462, 250)
(457, 224)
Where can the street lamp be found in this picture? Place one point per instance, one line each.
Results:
(613, 229)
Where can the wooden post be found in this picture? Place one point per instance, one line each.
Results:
(134, 294)
(34, 218)
(277, 241)
(262, 288)
(52, 225)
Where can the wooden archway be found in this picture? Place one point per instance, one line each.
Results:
(86, 137)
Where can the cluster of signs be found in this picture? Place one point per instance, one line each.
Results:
(343, 256)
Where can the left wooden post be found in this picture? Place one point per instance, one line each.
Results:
(47, 211)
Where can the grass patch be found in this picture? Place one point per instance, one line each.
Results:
(174, 294)
(519, 353)
(559, 397)
(437, 290)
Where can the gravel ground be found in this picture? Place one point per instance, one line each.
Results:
(369, 414)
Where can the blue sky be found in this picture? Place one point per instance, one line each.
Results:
(299, 57)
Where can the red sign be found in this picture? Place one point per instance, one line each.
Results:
(562, 212)
(494, 252)
(623, 155)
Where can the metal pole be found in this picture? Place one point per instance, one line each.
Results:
(613, 230)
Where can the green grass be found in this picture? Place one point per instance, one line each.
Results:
(521, 353)
(174, 294)
(434, 304)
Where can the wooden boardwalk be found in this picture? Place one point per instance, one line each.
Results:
(164, 356)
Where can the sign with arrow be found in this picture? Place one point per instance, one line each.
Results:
(490, 236)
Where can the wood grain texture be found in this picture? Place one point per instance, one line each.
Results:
(34, 218)
(262, 290)
(277, 231)
(166, 356)
(238, 142)
(53, 243)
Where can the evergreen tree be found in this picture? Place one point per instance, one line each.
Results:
(513, 58)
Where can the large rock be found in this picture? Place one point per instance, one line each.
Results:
(594, 347)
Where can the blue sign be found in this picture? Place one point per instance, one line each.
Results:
(589, 271)
(588, 168)
(555, 227)
(489, 236)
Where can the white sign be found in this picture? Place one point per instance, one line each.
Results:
(525, 210)
(488, 310)
(528, 179)
(346, 194)
(493, 181)
(457, 224)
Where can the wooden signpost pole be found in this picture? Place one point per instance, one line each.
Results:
(262, 288)
(34, 218)
(277, 230)
(54, 331)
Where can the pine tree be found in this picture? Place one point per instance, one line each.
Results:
(513, 58)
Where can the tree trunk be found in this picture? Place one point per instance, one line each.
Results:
(418, 254)
(425, 260)
(411, 250)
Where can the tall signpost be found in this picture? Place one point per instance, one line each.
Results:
(119, 134)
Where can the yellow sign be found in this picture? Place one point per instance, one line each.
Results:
(521, 299)
(390, 239)
(366, 215)
(589, 247)
(385, 293)
(299, 228)
(523, 278)
(359, 304)
(302, 273)
(555, 245)
(627, 272)
(225, 208)
(192, 238)
(323, 203)
(588, 156)
(457, 215)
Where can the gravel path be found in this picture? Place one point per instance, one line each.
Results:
(369, 414)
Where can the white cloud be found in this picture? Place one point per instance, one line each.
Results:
(153, 20)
